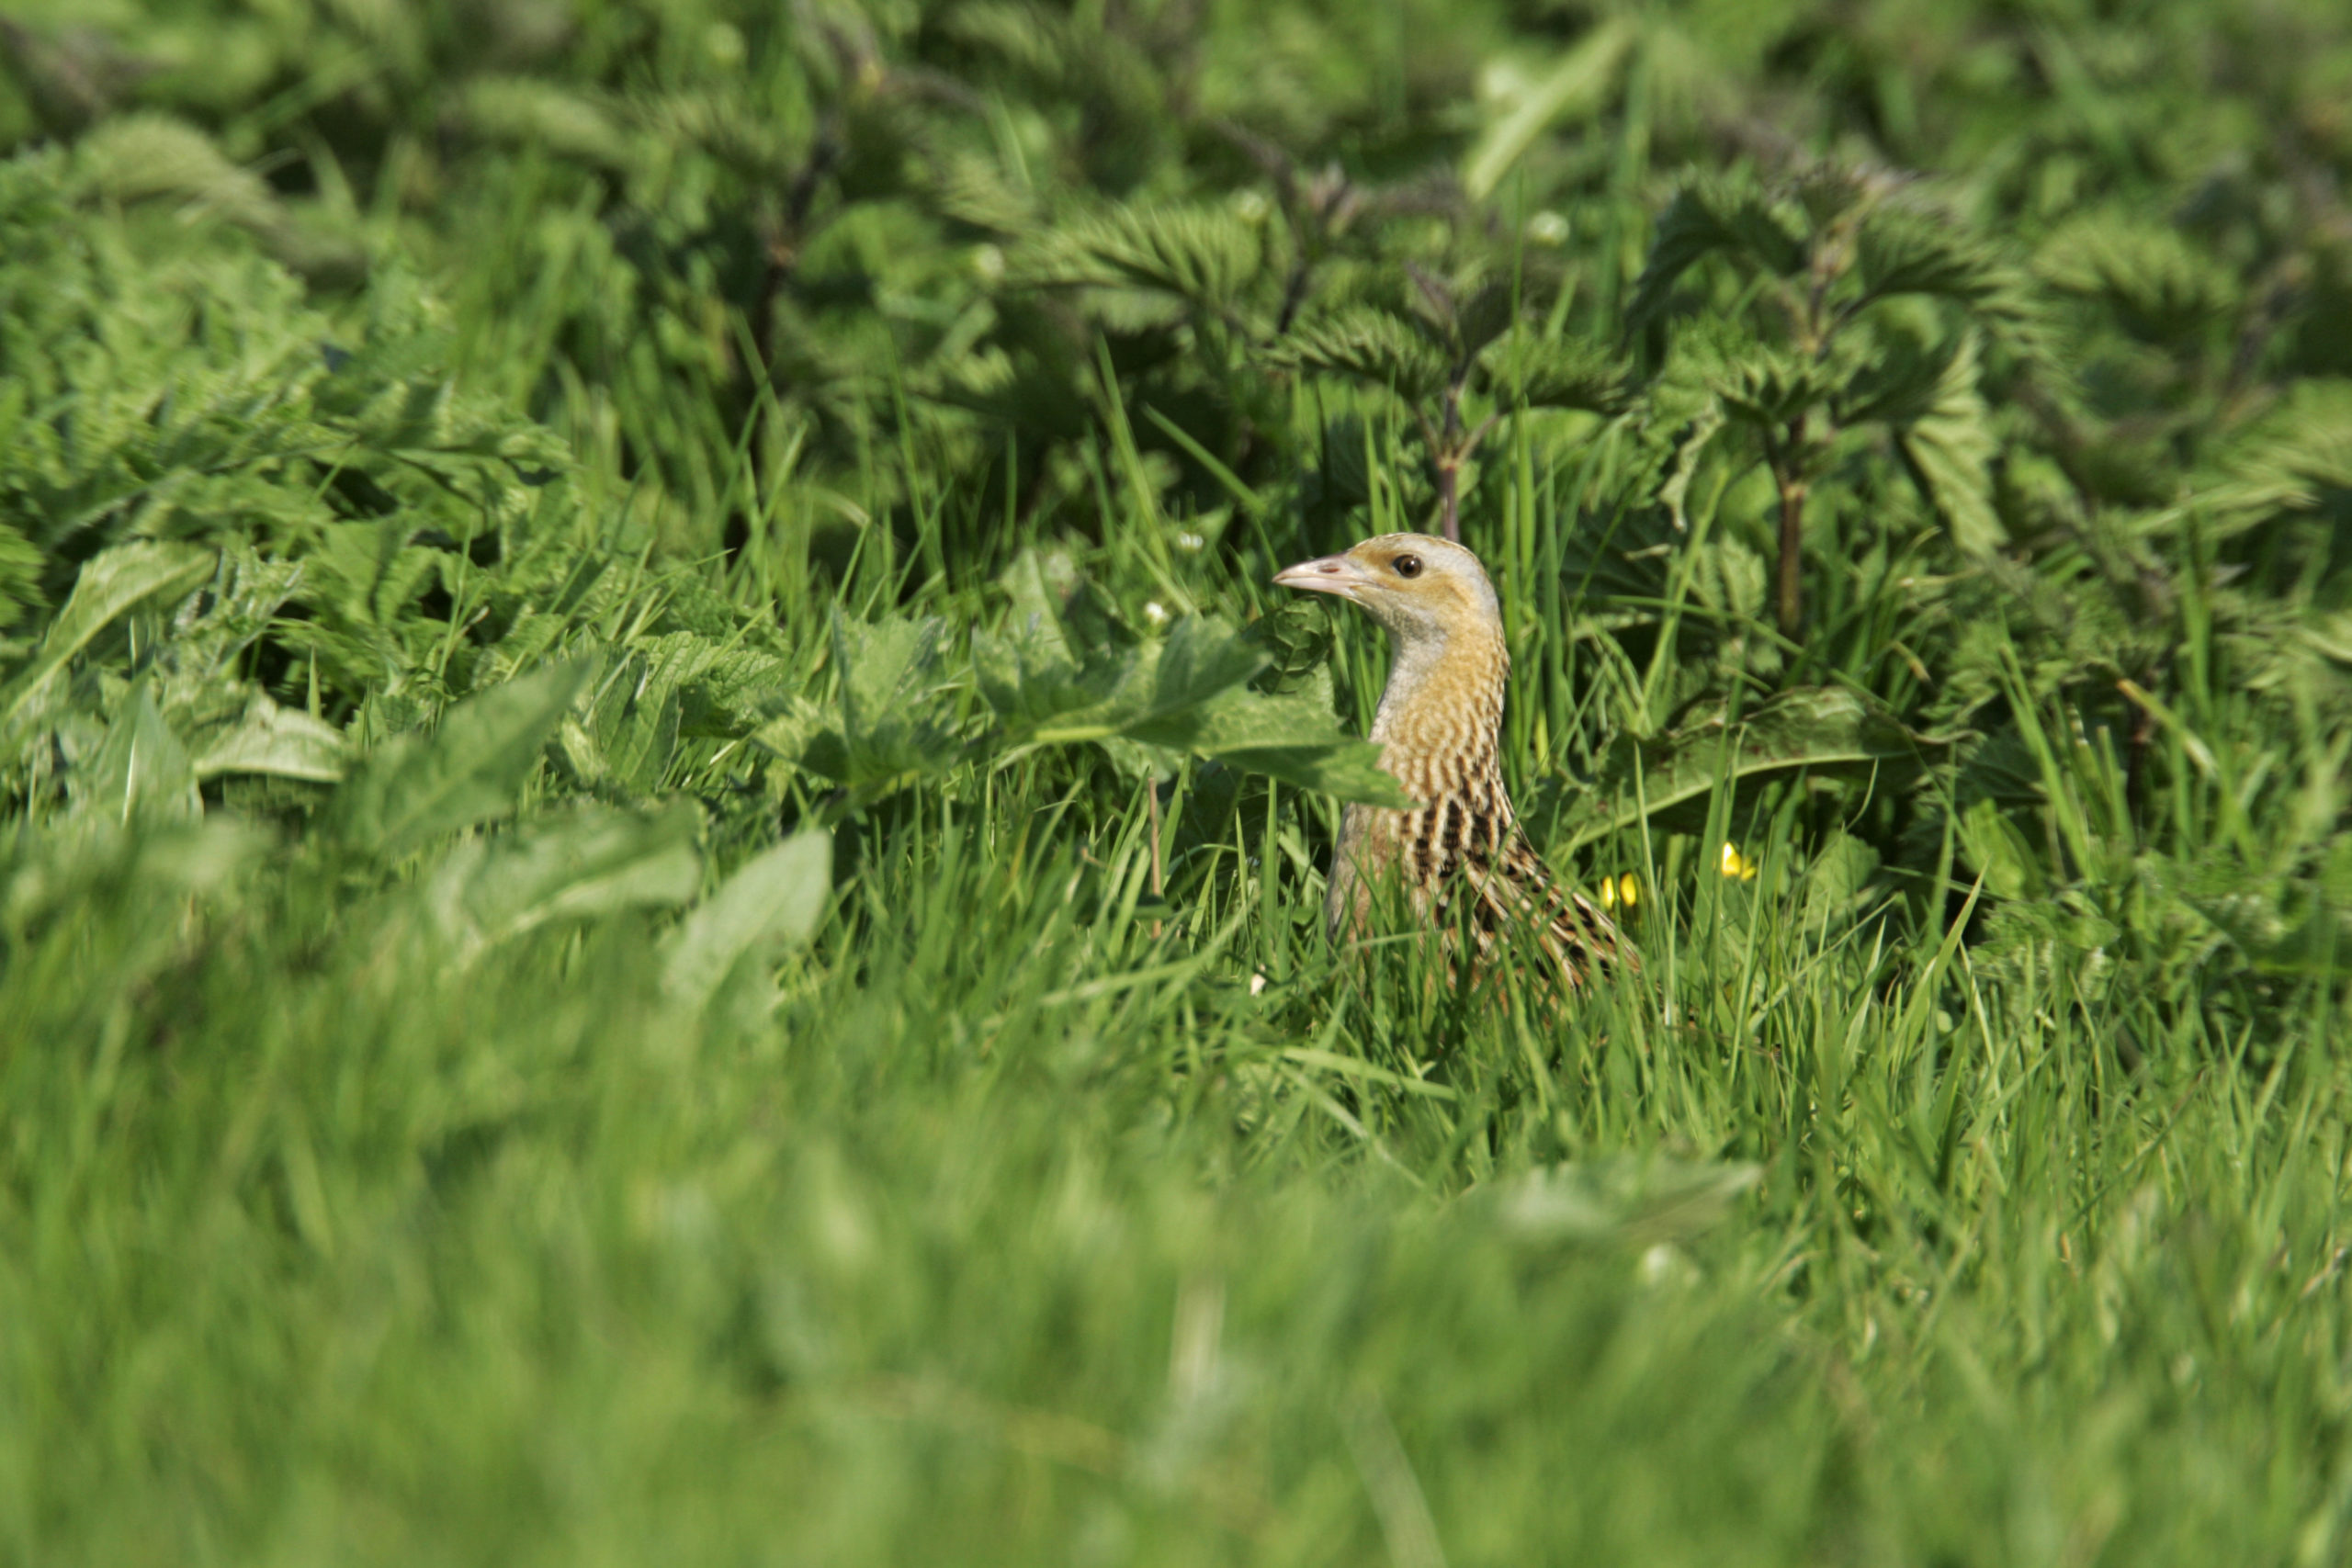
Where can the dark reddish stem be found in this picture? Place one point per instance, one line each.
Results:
(1788, 472)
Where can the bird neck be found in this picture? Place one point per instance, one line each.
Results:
(1443, 712)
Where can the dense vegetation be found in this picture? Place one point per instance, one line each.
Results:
(661, 899)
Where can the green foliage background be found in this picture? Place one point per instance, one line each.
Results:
(663, 853)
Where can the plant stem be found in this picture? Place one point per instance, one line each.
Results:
(1788, 472)
(1158, 873)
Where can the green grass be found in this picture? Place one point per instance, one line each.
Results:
(565, 995)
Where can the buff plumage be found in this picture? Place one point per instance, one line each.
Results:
(1439, 726)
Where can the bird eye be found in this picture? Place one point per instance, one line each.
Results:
(1407, 566)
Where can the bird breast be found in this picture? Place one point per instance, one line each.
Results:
(1438, 729)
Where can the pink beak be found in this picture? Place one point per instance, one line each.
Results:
(1330, 574)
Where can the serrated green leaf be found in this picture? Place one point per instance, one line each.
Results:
(1949, 449)
(1523, 368)
(1151, 693)
(110, 585)
(1770, 387)
(1485, 315)
(629, 730)
(1708, 214)
(2161, 287)
(415, 790)
(890, 723)
(1203, 254)
(1907, 250)
(1369, 345)
(1187, 694)
(283, 742)
(892, 720)
(2299, 449)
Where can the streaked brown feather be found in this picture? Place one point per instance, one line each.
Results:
(1439, 724)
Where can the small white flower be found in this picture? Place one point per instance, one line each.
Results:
(1548, 229)
(1188, 540)
(1156, 613)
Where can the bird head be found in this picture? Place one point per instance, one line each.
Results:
(1421, 588)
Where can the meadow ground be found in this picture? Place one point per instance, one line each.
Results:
(661, 898)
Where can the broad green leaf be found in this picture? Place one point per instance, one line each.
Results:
(1993, 845)
(1151, 692)
(1042, 584)
(110, 585)
(281, 741)
(769, 906)
(722, 690)
(629, 730)
(1187, 694)
(892, 723)
(142, 773)
(803, 725)
(893, 720)
(1297, 740)
(565, 866)
(1202, 660)
(416, 789)
(1671, 778)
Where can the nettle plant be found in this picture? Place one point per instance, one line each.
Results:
(1462, 357)
(1857, 313)
(1188, 306)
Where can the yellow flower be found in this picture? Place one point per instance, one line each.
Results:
(1620, 892)
(1738, 864)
